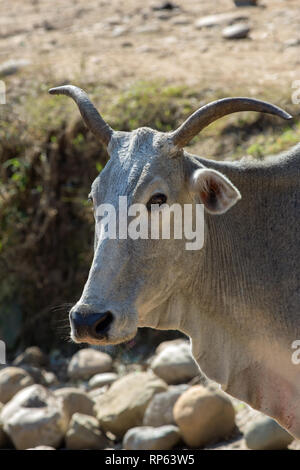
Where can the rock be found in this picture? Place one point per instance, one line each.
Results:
(149, 438)
(180, 20)
(74, 401)
(88, 362)
(172, 342)
(293, 42)
(127, 44)
(12, 66)
(165, 6)
(48, 26)
(84, 433)
(170, 40)
(34, 372)
(145, 49)
(41, 376)
(96, 392)
(266, 434)
(147, 29)
(32, 356)
(59, 365)
(160, 409)
(175, 364)
(220, 19)
(162, 16)
(49, 379)
(119, 31)
(123, 405)
(41, 448)
(204, 416)
(245, 3)
(3, 436)
(236, 31)
(99, 380)
(114, 20)
(35, 416)
(13, 379)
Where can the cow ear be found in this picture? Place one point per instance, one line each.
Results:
(215, 191)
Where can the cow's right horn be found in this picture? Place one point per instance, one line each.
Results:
(217, 109)
(90, 115)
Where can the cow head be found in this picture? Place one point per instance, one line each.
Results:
(131, 278)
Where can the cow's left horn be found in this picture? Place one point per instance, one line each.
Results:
(88, 111)
(217, 109)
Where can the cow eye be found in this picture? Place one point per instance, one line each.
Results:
(158, 198)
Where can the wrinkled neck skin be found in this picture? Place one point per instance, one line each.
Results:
(242, 320)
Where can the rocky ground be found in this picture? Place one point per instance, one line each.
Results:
(93, 401)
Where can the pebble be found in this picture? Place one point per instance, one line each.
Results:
(236, 31)
(245, 3)
(219, 20)
(10, 67)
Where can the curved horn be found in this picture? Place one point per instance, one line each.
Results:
(88, 111)
(217, 109)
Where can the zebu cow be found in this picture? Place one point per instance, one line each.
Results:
(238, 298)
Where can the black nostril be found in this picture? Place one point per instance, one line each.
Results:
(91, 324)
(102, 325)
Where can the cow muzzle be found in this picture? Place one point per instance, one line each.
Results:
(90, 327)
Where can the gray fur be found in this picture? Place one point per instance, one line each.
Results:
(238, 298)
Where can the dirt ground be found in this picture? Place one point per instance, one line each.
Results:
(123, 41)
